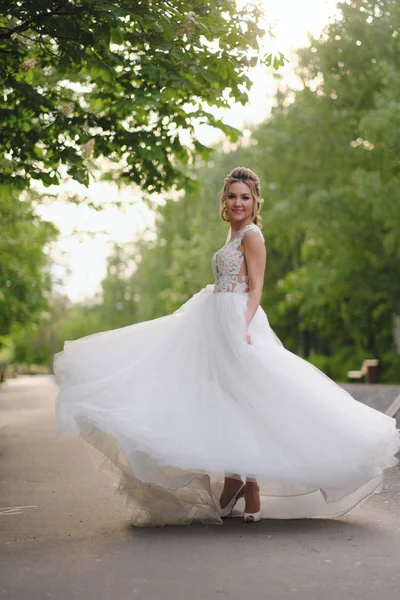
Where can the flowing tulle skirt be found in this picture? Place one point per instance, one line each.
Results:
(176, 402)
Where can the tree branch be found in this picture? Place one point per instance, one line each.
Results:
(40, 19)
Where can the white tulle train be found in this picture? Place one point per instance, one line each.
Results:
(176, 402)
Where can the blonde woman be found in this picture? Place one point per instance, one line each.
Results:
(204, 407)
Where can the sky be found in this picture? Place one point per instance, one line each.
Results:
(86, 236)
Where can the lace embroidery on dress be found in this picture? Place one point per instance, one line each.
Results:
(227, 263)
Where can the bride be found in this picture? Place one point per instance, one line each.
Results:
(203, 409)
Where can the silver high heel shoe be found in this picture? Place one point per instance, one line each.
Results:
(252, 517)
(227, 510)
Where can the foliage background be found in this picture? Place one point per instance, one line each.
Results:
(329, 161)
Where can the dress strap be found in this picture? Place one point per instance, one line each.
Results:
(251, 227)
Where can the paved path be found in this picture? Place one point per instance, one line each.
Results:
(380, 396)
(64, 533)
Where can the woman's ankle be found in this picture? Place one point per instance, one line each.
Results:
(252, 486)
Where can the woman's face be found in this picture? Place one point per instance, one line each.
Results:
(239, 203)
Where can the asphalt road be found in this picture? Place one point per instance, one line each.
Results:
(65, 534)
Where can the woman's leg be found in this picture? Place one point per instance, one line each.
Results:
(252, 496)
(232, 483)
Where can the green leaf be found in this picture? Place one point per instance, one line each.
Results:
(117, 36)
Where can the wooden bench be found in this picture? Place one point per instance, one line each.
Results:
(394, 408)
(368, 371)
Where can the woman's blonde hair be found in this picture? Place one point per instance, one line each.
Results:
(252, 181)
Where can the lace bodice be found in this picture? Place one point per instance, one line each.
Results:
(228, 264)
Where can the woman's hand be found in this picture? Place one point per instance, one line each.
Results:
(248, 337)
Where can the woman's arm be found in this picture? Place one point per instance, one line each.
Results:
(256, 257)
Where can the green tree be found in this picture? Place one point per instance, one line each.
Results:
(24, 262)
(36, 343)
(118, 307)
(333, 156)
(119, 79)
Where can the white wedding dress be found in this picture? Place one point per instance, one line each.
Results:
(176, 402)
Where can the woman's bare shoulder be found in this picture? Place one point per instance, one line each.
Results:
(252, 232)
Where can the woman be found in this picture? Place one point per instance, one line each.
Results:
(209, 390)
